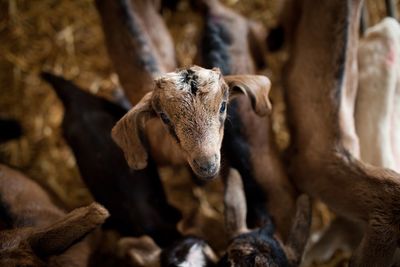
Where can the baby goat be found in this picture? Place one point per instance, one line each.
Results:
(259, 247)
(191, 103)
(37, 233)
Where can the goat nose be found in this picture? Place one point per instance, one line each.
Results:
(206, 166)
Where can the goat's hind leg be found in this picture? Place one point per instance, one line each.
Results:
(377, 247)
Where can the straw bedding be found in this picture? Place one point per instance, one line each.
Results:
(65, 37)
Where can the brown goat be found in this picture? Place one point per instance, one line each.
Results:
(37, 232)
(322, 71)
(192, 105)
(259, 247)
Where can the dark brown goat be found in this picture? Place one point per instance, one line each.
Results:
(37, 233)
(321, 78)
(135, 198)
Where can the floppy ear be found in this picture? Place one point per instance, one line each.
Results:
(300, 230)
(58, 237)
(141, 252)
(235, 204)
(256, 87)
(128, 130)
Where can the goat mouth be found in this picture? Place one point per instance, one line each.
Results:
(206, 174)
(206, 168)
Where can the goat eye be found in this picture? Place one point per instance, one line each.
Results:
(223, 107)
(164, 118)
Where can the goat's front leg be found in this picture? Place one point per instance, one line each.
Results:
(377, 247)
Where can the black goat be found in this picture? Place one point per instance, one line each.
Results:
(135, 199)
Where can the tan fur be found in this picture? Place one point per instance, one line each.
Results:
(40, 229)
(195, 120)
(134, 123)
(260, 102)
(322, 166)
(235, 205)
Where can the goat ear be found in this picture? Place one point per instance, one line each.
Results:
(58, 237)
(300, 230)
(141, 252)
(235, 204)
(128, 130)
(256, 87)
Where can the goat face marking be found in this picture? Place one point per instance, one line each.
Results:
(192, 104)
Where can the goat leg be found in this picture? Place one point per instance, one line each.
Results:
(341, 234)
(377, 247)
